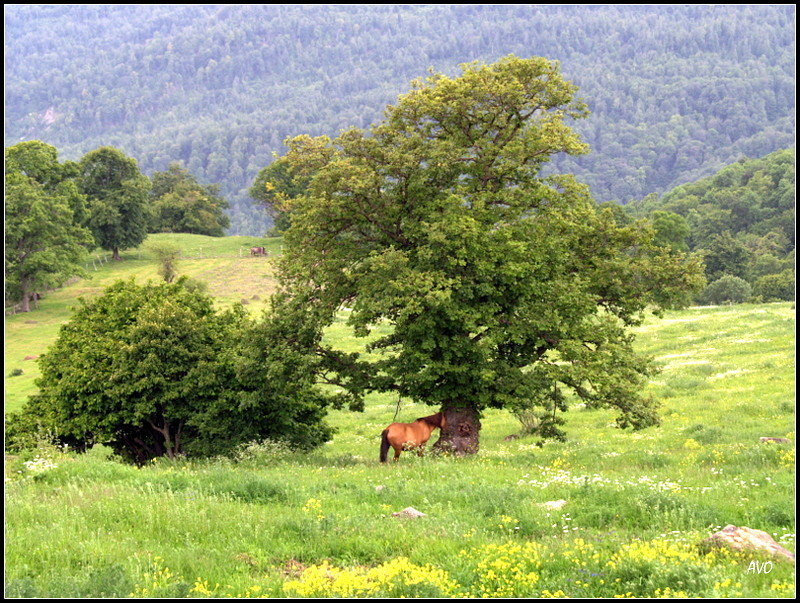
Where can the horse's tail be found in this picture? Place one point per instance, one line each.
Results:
(384, 444)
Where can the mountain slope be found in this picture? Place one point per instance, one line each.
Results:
(675, 92)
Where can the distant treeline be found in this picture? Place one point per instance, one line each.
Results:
(675, 92)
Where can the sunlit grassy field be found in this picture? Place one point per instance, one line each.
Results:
(627, 508)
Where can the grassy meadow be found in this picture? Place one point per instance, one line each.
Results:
(608, 513)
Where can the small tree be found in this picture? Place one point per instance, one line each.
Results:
(167, 256)
(153, 371)
(727, 289)
(118, 199)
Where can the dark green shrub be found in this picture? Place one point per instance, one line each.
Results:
(776, 287)
(155, 371)
(726, 290)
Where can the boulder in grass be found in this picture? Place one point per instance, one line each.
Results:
(409, 512)
(777, 440)
(747, 539)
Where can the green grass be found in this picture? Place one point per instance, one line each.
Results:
(636, 502)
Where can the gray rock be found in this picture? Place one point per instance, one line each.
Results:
(743, 538)
(409, 512)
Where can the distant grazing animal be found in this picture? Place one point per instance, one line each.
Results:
(258, 251)
(408, 436)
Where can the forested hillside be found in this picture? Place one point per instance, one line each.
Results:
(742, 219)
(675, 92)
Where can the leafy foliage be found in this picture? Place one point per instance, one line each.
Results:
(181, 204)
(742, 220)
(152, 370)
(167, 256)
(117, 193)
(727, 289)
(502, 286)
(774, 287)
(277, 377)
(274, 188)
(45, 242)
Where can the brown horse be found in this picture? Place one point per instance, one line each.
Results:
(407, 436)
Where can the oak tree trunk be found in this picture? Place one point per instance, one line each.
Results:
(461, 431)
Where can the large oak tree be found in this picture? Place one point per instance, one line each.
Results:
(503, 287)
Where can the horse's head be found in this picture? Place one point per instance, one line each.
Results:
(436, 420)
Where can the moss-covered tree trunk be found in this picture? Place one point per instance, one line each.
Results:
(461, 431)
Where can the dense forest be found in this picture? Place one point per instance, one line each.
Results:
(742, 220)
(675, 92)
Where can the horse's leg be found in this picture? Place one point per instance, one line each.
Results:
(423, 443)
(397, 453)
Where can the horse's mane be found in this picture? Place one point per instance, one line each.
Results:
(435, 420)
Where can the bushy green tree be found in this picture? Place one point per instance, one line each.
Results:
(274, 188)
(118, 199)
(726, 254)
(277, 373)
(152, 371)
(776, 287)
(671, 230)
(727, 289)
(181, 204)
(504, 288)
(45, 243)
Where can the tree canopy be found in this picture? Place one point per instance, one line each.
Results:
(676, 91)
(274, 188)
(118, 193)
(741, 219)
(44, 240)
(181, 204)
(503, 287)
(153, 370)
